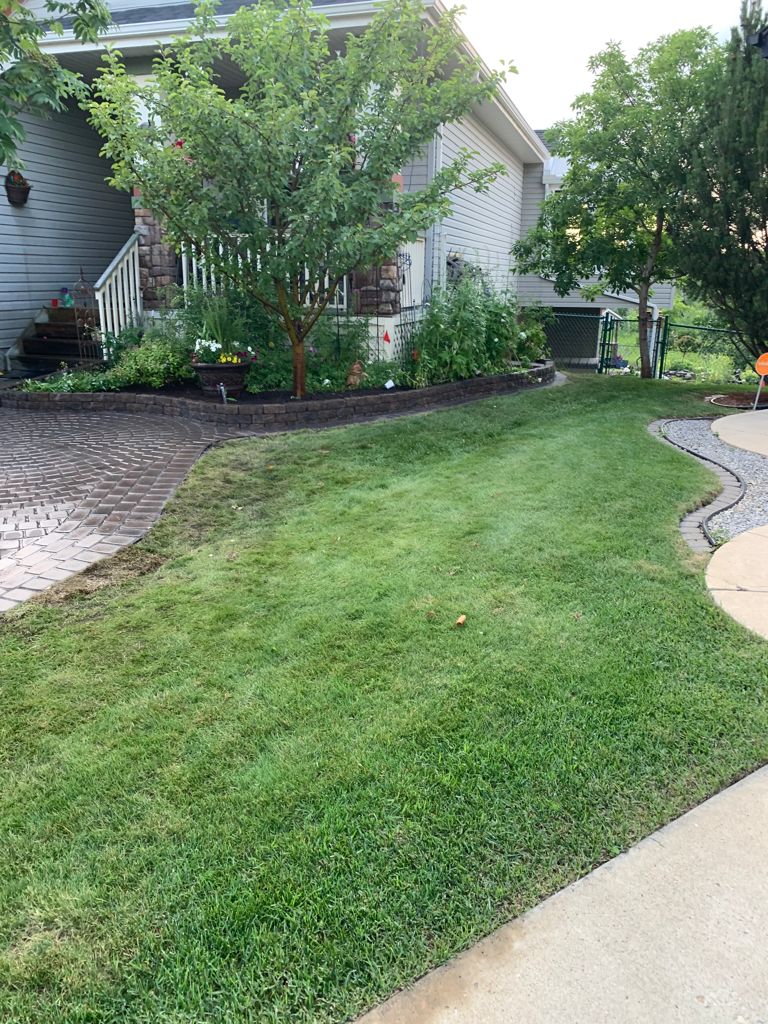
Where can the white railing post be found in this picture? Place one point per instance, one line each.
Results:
(118, 290)
(184, 257)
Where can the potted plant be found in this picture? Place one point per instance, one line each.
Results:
(17, 188)
(220, 357)
(217, 368)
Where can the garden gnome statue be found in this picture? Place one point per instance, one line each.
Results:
(355, 376)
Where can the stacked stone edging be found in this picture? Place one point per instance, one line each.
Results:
(695, 525)
(272, 416)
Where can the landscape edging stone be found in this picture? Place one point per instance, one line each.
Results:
(276, 416)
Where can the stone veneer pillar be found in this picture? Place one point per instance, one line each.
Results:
(158, 263)
(377, 290)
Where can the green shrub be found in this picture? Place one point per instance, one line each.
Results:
(532, 341)
(334, 344)
(711, 367)
(154, 363)
(116, 344)
(72, 380)
(470, 329)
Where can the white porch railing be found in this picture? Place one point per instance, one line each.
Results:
(118, 290)
(196, 273)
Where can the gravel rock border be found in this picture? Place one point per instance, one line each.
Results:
(744, 502)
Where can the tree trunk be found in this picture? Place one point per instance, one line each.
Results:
(299, 367)
(642, 330)
(644, 291)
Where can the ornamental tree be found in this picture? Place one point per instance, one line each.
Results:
(627, 158)
(285, 184)
(31, 80)
(720, 223)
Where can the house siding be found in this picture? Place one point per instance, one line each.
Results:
(663, 295)
(73, 219)
(416, 172)
(481, 227)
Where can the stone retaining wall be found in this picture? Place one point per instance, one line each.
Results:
(271, 416)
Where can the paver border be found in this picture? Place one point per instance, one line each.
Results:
(272, 417)
(694, 526)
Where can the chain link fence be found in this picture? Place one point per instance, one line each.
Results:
(609, 343)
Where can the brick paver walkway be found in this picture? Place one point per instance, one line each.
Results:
(76, 487)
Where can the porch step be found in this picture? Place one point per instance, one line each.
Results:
(53, 347)
(53, 340)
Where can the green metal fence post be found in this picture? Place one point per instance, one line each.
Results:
(661, 350)
(605, 332)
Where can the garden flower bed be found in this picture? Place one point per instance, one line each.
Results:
(276, 410)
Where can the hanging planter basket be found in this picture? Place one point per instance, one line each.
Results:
(17, 188)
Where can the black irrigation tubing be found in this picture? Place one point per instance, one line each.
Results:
(705, 458)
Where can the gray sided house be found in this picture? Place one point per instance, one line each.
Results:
(75, 223)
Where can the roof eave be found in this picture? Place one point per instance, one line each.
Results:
(519, 137)
(130, 37)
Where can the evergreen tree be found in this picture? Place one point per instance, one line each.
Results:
(721, 221)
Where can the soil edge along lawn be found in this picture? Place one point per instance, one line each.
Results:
(251, 769)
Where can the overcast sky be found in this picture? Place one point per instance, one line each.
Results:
(550, 41)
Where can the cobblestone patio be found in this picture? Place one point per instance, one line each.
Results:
(76, 487)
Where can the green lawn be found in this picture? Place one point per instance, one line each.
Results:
(263, 777)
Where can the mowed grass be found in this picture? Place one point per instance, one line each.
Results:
(270, 780)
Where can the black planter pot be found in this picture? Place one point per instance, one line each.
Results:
(17, 194)
(231, 375)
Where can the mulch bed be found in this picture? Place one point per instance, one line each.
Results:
(738, 400)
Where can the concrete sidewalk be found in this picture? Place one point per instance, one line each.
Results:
(737, 575)
(675, 930)
(748, 430)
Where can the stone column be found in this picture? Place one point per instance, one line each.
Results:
(158, 263)
(377, 290)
